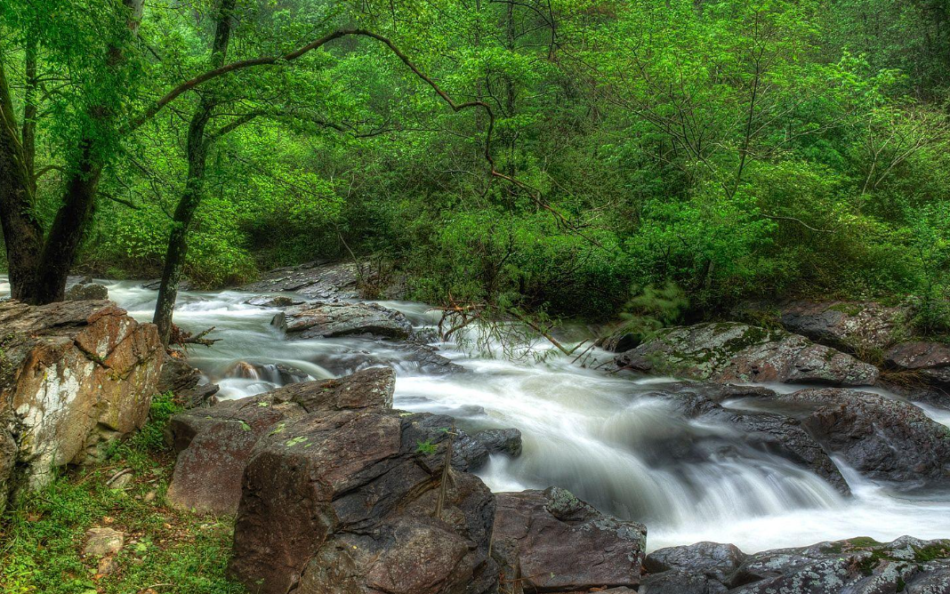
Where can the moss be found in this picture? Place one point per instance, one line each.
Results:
(851, 309)
(863, 542)
(931, 552)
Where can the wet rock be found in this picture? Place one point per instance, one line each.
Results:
(315, 280)
(856, 566)
(217, 441)
(551, 541)
(853, 326)
(349, 502)
(328, 320)
(75, 375)
(929, 361)
(882, 438)
(500, 441)
(732, 352)
(406, 356)
(188, 384)
(272, 301)
(87, 290)
(183, 285)
(701, 568)
(103, 541)
(772, 432)
(278, 373)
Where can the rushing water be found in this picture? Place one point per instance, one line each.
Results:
(600, 436)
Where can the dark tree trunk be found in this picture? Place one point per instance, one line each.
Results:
(22, 232)
(184, 215)
(191, 198)
(30, 111)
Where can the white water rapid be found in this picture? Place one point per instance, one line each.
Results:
(600, 436)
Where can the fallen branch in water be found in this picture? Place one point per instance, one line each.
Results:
(184, 338)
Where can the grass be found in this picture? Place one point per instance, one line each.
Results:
(165, 550)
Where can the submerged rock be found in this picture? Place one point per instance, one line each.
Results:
(762, 430)
(882, 438)
(315, 280)
(274, 301)
(74, 375)
(275, 373)
(360, 501)
(732, 352)
(328, 320)
(855, 566)
(550, 541)
(214, 444)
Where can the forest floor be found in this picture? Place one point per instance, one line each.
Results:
(45, 537)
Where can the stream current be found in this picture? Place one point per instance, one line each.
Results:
(602, 437)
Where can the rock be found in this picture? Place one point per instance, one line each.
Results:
(347, 503)
(278, 373)
(87, 290)
(882, 438)
(272, 302)
(552, 541)
(702, 568)
(103, 541)
(315, 280)
(183, 285)
(500, 441)
(217, 442)
(930, 361)
(733, 352)
(106, 566)
(329, 320)
(765, 431)
(405, 356)
(74, 375)
(852, 326)
(189, 385)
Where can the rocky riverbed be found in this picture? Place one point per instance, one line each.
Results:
(753, 436)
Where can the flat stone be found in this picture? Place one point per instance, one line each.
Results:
(103, 541)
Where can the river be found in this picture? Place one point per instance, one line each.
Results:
(601, 436)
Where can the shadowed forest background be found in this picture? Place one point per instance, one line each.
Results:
(647, 155)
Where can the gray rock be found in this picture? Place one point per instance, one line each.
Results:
(852, 326)
(328, 320)
(929, 361)
(314, 280)
(500, 441)
(85, 291)
(103, 541)
(882, 438)
(732, 352)
(856, 566)
(275, 301)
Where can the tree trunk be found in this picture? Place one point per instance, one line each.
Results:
(191, 198)
(184, 214)
(22, 232)
(30, 111)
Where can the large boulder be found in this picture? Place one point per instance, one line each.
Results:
(852, 326)
(73, 375)
(327, 320)
(929, 361)
(856, 566)
(733, 352)
(882, 438)
(762, 430)
(356, 502)
(550, 541)
(214, 444)
(315, 280)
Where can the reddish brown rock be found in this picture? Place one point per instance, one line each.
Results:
(930, 361)
(74, 375)
(215, 443)
(550, 541)
(350, 502)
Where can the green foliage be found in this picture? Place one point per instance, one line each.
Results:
(44, 532)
